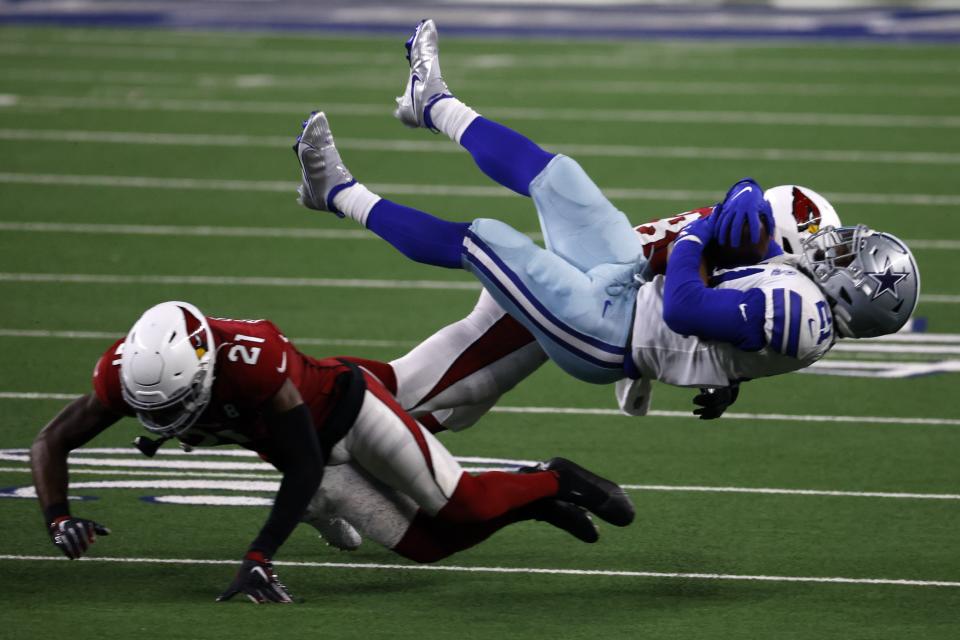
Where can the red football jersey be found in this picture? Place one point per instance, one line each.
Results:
(658, 235)
(253, 361)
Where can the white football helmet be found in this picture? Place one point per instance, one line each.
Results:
(798, 213)
(870, 278)
(166, 367)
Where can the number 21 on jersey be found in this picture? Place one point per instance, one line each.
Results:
(241, 352)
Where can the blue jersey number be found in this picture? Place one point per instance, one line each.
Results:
(826, 320)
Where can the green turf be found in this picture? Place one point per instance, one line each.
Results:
(260, 85)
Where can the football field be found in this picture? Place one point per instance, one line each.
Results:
(142, 166)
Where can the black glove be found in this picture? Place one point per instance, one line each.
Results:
(714, 401)
(74, 536)
(258, 581)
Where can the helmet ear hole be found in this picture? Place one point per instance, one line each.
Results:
(787, 246)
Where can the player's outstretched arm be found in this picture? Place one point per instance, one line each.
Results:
(295, 450)
(75, 425)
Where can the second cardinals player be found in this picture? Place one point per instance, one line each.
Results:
(212, 381)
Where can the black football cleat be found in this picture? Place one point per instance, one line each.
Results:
(600, 496)
(569, 517)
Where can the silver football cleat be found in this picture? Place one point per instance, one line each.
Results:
(324, 174)
(425, 85)
(336, 532)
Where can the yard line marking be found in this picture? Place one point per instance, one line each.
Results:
(897, 338)
(688, 116)
(880, 368)
(775, 417)
(280, 186)
(264, 281)
(784, 417)
(940, 298)
(623, 57)
(134, 472)
(795, 492)
(405, 146)
(335, 283)
(226, 478)
(895, 348)
(309, 233)
(537, 87)
(508, 570)
(106, 335)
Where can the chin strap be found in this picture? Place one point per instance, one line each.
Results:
(149, 446)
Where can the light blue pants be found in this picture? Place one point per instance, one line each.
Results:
(577, 296)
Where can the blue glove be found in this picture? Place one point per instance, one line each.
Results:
(743, 205)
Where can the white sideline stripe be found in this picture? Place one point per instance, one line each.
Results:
(508, 570)
(908, 343)
(76, 469)
(909, 121)
(262, 281)
(106, 335)
(594, 150)
(310, 233)
(335, 283)
(775, 417)
(895, 348)
(190, 230)
(624, 57)
(279, 186)
(795, 492)
(538, 87)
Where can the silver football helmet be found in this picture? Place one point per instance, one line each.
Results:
(166, 367)
(870, 279)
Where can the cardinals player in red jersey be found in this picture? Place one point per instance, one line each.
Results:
(212, 381)
(456, 375)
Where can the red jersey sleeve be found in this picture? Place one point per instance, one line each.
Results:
(658, 235)
(106, 380)
(253, 359)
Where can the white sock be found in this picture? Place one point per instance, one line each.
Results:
(452, 117)
(355, 202)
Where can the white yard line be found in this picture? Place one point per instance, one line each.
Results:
(690, 196)
(263, 281)
(305, 233)
(335, 283)
(228, 481)
(908, 338)
(429, 146)
(142, 79)
(622, 58)
(377, 110)
(508, 570)
(772, 417)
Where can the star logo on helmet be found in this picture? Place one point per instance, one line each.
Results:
(886, 281)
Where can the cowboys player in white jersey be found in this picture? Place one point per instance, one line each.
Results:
(451, 379)
(589, 299)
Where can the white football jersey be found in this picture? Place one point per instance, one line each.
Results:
(797, 330)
